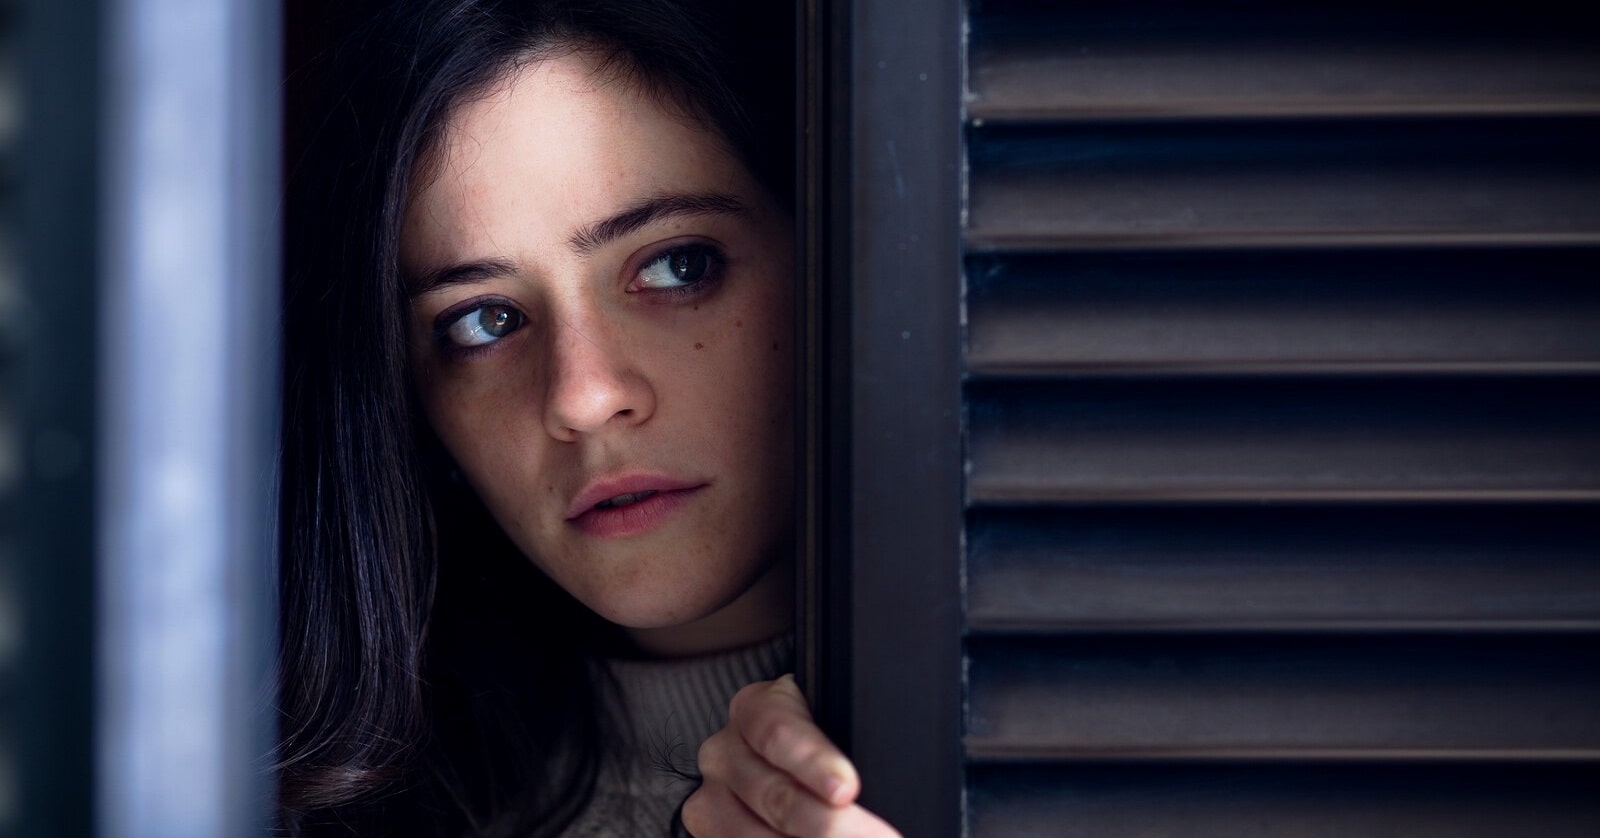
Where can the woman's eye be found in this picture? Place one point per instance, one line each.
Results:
(680, 267)
(483, 325)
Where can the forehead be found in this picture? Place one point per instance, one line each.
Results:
(549, 148)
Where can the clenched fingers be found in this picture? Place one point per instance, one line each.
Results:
(713, 812)
(774, 796)
(773, 720)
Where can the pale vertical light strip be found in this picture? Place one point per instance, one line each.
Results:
(189, 401)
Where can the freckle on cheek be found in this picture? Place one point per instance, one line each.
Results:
(774, 346)
(738, 324)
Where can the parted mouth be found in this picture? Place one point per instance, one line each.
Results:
(625, 500)
(626, 490)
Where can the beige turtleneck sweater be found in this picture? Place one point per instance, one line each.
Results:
(666, 708)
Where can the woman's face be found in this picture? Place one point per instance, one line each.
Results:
(601, 335)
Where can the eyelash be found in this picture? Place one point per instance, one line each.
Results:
(448, 319)
(715, 263)
(711, 276)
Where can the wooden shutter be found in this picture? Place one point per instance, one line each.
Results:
(1282, 392)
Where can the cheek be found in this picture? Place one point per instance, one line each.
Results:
(765, 395)
(443, 405)
(485, 427)
(476, 417)
(761, 340)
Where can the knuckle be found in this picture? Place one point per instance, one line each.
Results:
(696, 816)
(747, 699)
(772, 734)
(712, 758)
(777, 803)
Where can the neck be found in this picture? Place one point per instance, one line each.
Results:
(763, 611)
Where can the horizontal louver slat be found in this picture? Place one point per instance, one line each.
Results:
(1411, 183)
(1276, 800)
(1482, 312)
(1231, 697)
(1093, 569)
(1348, 440)
(1187, 61)
(1283, 419)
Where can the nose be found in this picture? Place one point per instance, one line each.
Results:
(591, 383)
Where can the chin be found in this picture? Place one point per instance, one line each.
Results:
(669, 603)
(656, 608)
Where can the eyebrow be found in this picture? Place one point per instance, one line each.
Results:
(464, 273)
(588, 239)
(593, 237)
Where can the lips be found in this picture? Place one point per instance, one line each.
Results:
(626, 500)
(630, 504)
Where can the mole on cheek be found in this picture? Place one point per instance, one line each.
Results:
(738, 324)
(699, 346)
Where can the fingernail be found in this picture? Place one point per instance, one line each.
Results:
(835, 790)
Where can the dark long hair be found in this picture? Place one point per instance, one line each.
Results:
(431, 680)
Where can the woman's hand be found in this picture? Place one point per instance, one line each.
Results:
(771, 771)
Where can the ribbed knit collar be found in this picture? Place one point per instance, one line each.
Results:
(661, 712)
(677, 703)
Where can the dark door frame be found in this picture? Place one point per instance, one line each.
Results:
(881, 377)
